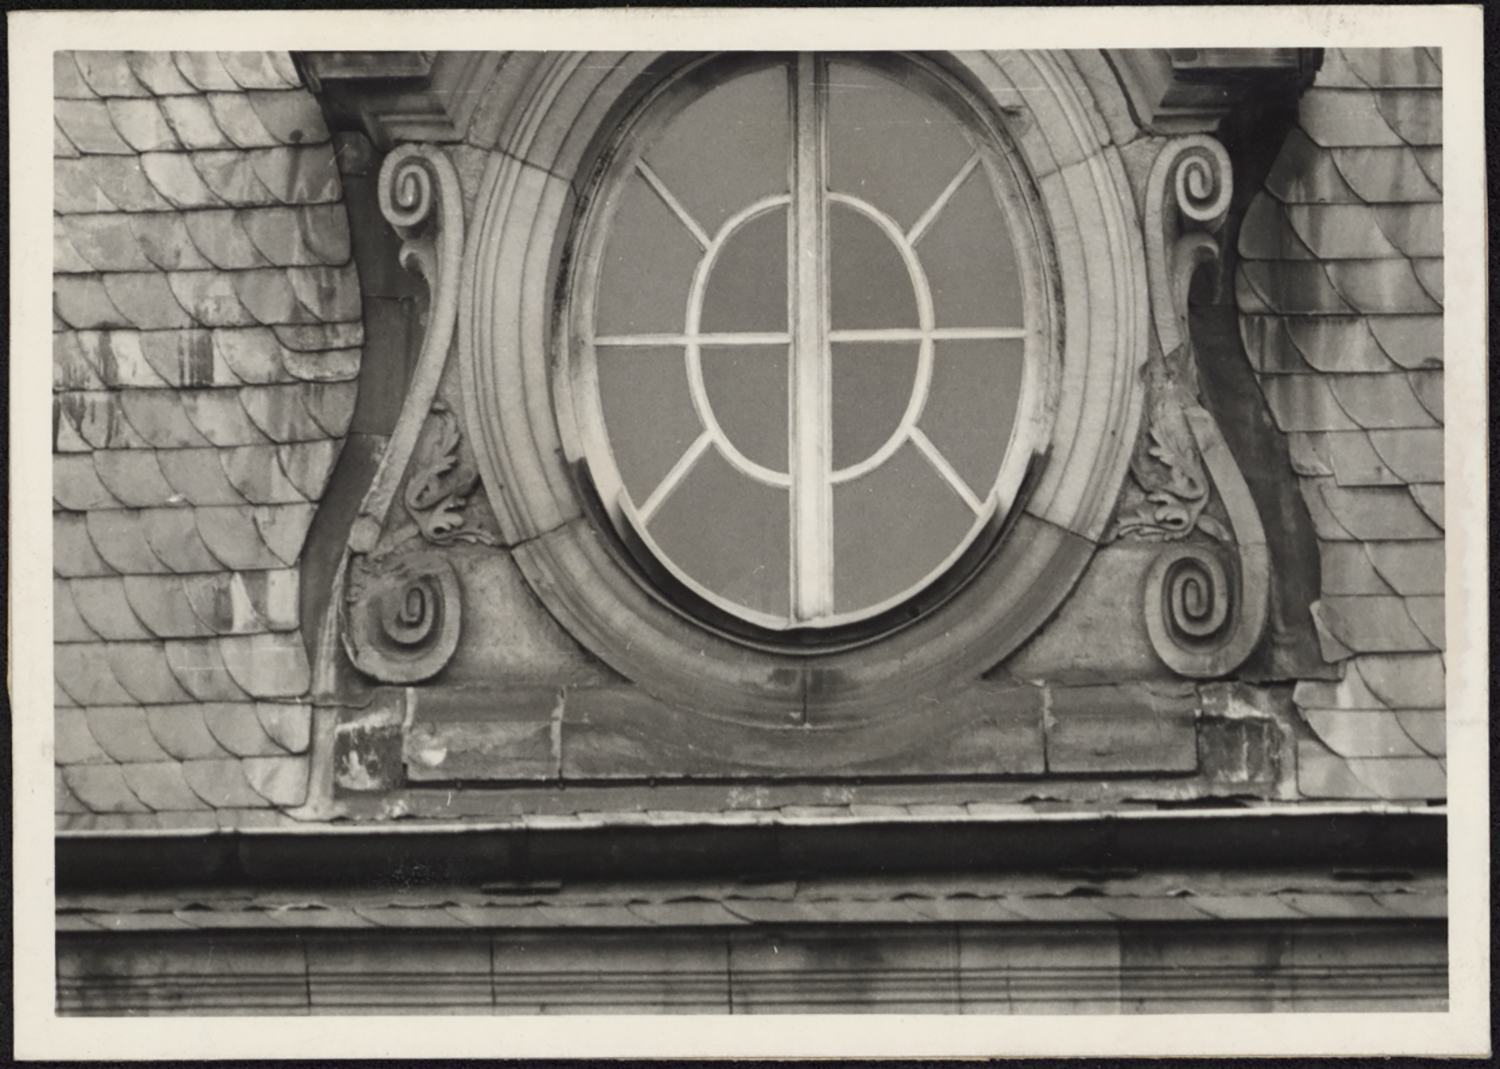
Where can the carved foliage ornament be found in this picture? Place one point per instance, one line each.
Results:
(401, 611)
(1206, 594)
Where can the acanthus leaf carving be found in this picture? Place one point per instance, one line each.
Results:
(441, 485)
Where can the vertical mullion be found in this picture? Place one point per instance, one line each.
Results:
(812, 485)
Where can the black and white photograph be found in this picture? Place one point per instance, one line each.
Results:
(927, 525)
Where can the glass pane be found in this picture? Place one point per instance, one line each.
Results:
(872, 383)
(747, 283)
(648, 266)
(869, 283)
(971, 406)
(891, 528)
(746, 387)
(969, 260)
(888, 144)
(729, 533)
(648, 413)
(729, 148)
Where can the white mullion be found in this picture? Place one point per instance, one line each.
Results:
(946, 470)
(722, 338)
(676, 475)
(934, 334)
(919, 228)
(699, 234)
(812, 484)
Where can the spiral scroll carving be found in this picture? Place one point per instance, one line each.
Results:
(1201, 179)
(402, 617)
(406, 198)
(1195, 594)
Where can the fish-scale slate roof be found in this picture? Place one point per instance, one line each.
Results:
(1340, 291)
(207, 336)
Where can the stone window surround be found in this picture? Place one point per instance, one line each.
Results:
(527, 447)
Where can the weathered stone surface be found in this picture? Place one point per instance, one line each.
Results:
(1123, 728)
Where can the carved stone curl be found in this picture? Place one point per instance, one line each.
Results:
(402, 616)
(1204, 601)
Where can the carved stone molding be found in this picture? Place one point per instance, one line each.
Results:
(1205, 598)
(1190, 90)
(402, 616)
(419, 196)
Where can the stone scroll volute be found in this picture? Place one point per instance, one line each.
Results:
(1205, 596)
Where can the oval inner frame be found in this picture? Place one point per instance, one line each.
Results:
(593, 455)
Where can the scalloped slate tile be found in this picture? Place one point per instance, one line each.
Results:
(288, 725)
(221, 239)
(109, 73)
(175, 537)
(73, 552)
(1371, 624)
(233, 537)
(1385, 175)
(67, 624)
(1346, 569)
(67, 80)
(1404, 682)
(158, 73)
(1305, 403)
(82, 303)
(142, 125)
(1292, 287)
(1428, 728)
(193, 123)
(72, 741)
(102, 788)
(144, 671)
(1381, 401)
(238, 120)
(1411, 568)
(1339, 231)
(161, 603)
(220, 417)
(281, 781)
(211, 298)
(289, 117)
(238, 730)
(1429, 498)
(222, 784)
(200, 667)
(105, 609)
(204, 71)
(1414, 455)
(122, 733)
(146, 301)
(232, 177)
(272, 665)
(1362, 733)
(119, 537)
(162, 787)
(76, 485)
(197, 477)
(1428, 613)
(1378, 514)
(180, 730)
(298, 175)
(176, 178)
(1337, 118)
(1383, 286)
(260, 70)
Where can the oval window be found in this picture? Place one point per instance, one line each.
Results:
(803, 338)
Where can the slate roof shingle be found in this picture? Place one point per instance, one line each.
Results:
(1340, 294)
(208, 333)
